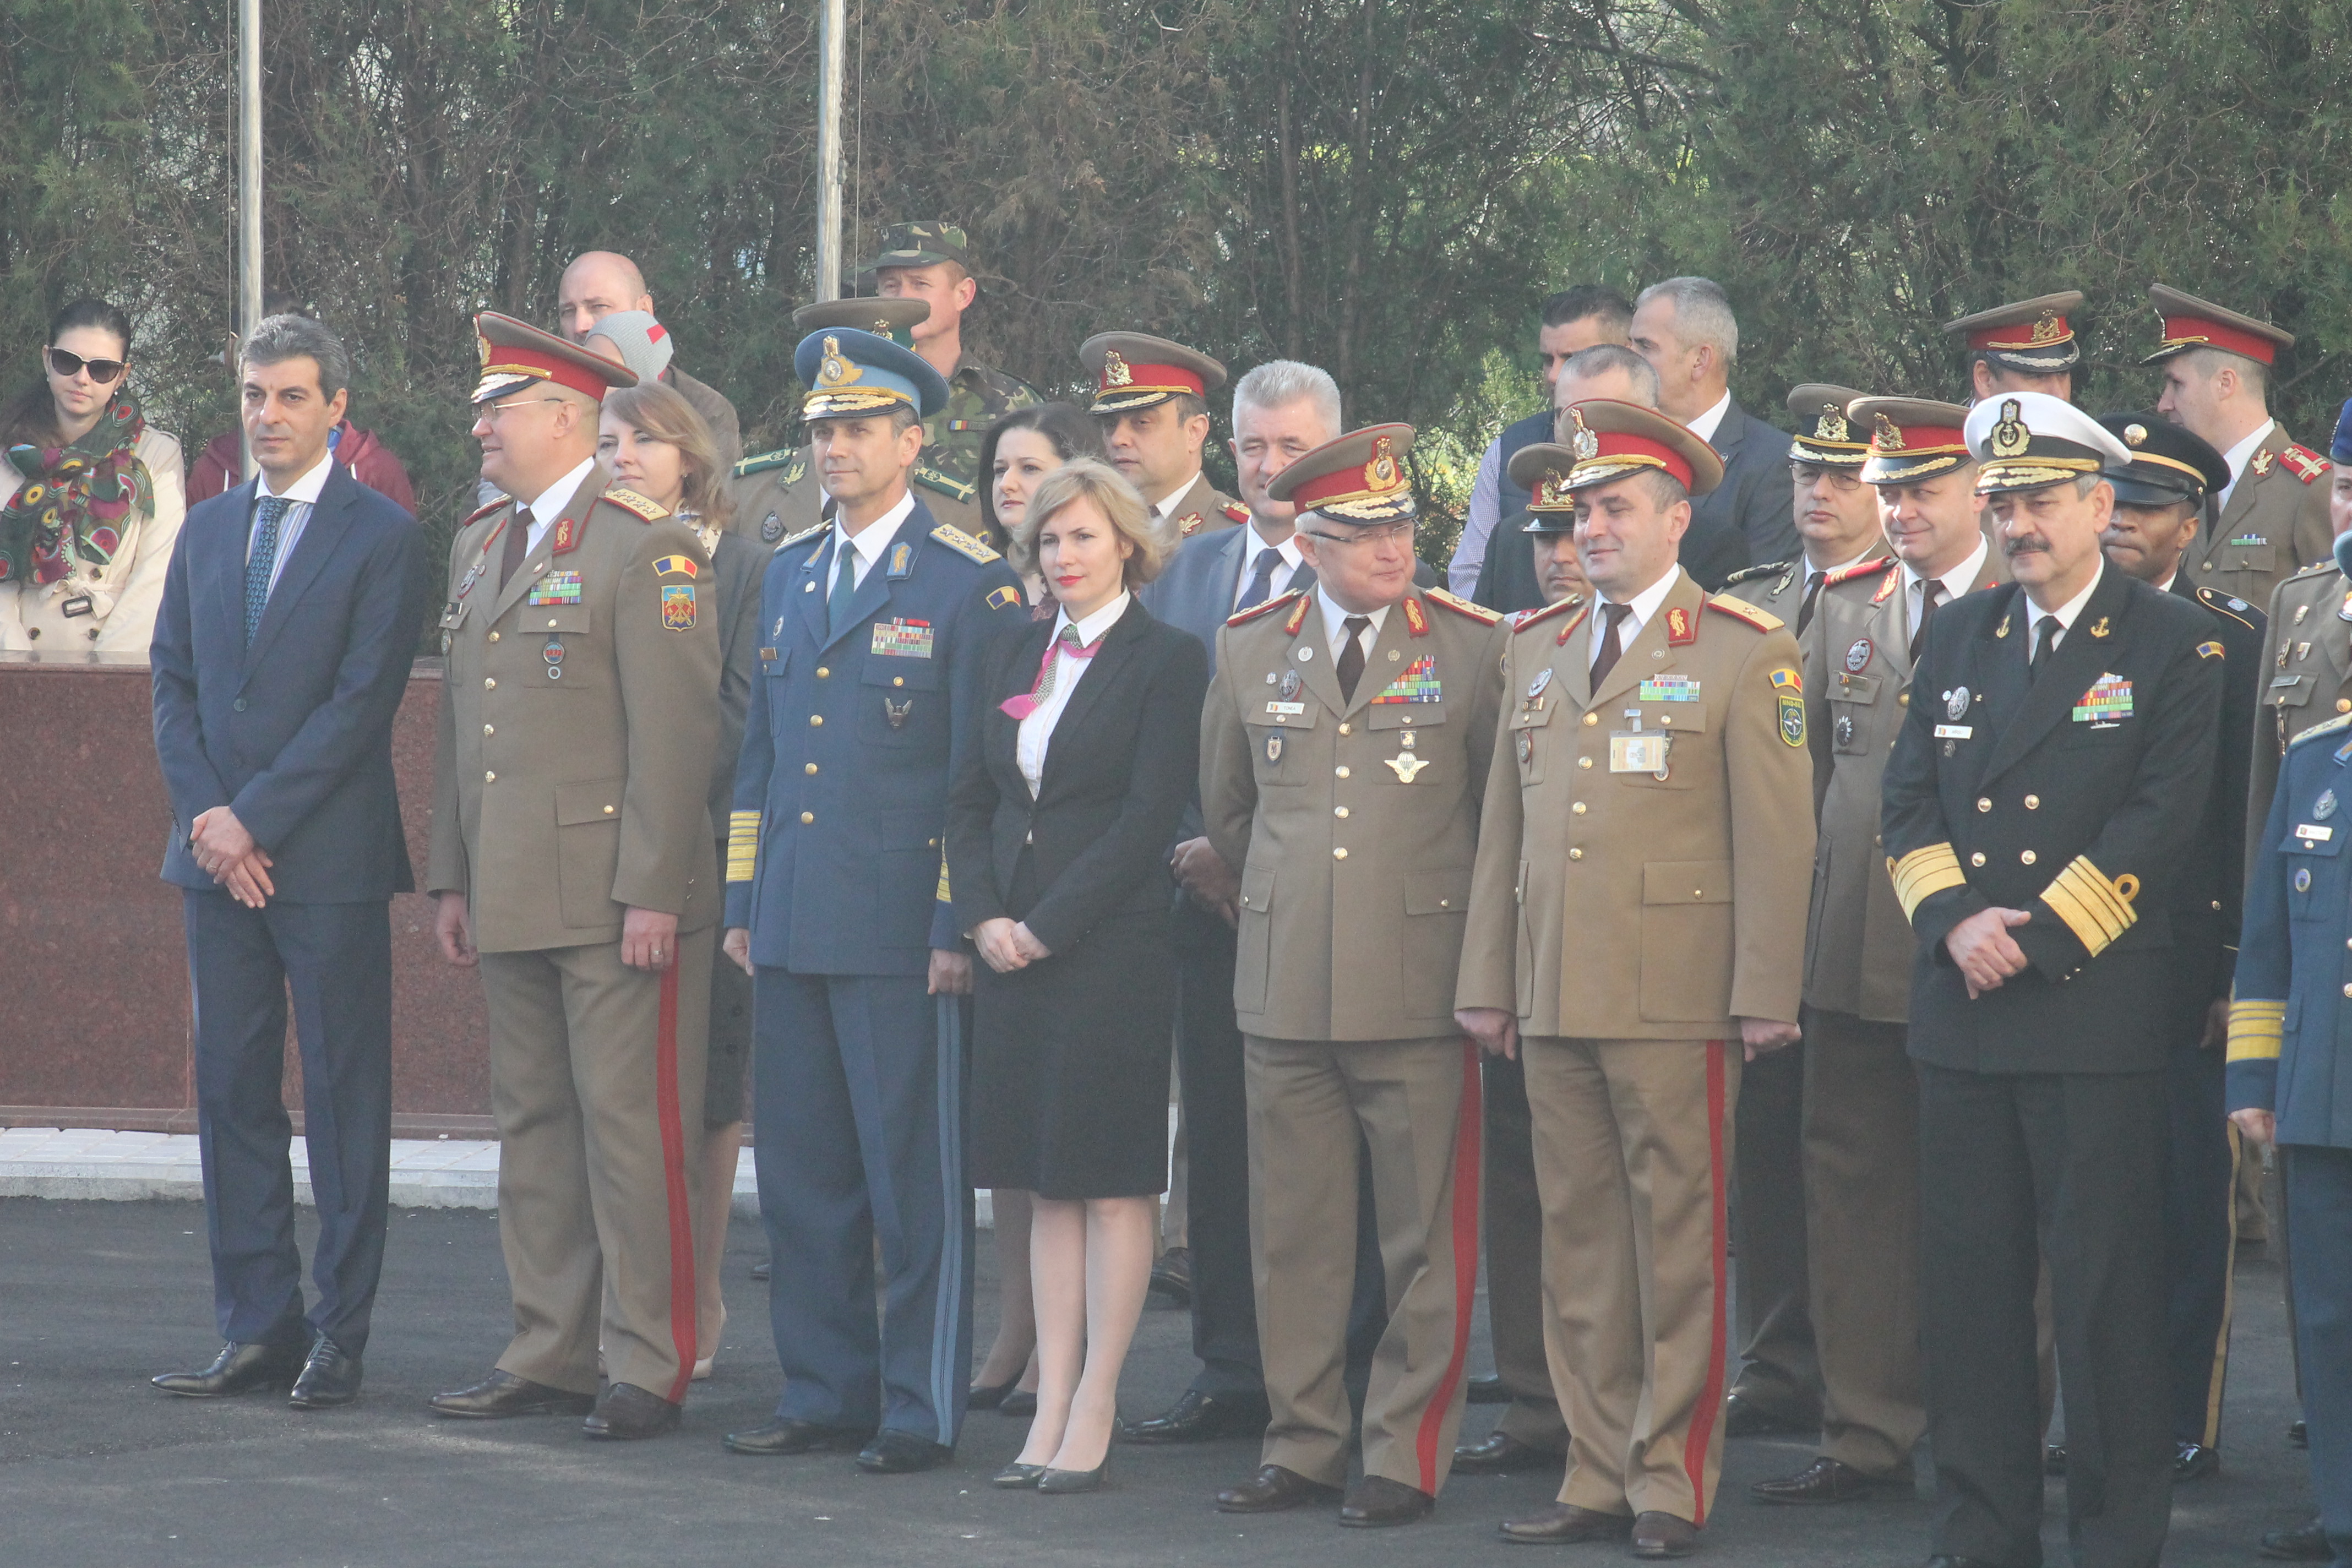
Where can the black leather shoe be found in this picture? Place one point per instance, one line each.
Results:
(502, 1394)
(1376, 1501)
(1171, 1276)
(625, 1412)
(897, 1453)
(1017, 1476)
(1500, 1454)
(987, 1395)
(1486, 1390)
(2298, 1434)
(1198, 1417)
(1272, 1491)
(1742, 1417)
(329, 1378)
(1566, 1524)
(2054, 1460)
(2194, 1462)
(1663, 1535)
(1823, 1481)
(238, 1369)
(1057, 1483)
(786, 1436)
(2303, 1543)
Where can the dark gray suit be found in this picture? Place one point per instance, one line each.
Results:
(1749, 518)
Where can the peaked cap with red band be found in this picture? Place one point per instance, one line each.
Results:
(1132, 370)
(1911, 438)
(2193, 323)
(1359, 478)
(1611, 439)
(1543, 468)
(516, 354)
(2033, 335)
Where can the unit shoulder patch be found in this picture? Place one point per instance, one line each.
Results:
(2306, 464)
(1749, 574)
(1762, 620)
(963, 543)
(1236, 512)
(482, 512)
(931, 479)
(1463, 607)
(2341, 721)
(1526, 618)
(1258, 610)
(644, 508)
(764, 461)
(2228, 605)
(1857, 573)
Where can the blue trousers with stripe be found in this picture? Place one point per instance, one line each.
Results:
(858, 1101)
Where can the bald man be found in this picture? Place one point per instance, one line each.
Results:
(599, 282)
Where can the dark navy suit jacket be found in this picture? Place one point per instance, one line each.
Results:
(293, 733)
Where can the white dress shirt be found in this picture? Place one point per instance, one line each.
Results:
(1643, 605)
(550, 503)
(868, 543)
(1479, 523)
(304, 495)
(1037, 732)
(2238, 457)
(1707, 424)
(1164, 508)
(1956, 582)
(1335, 626)
(2066, 613)
(1252, 546)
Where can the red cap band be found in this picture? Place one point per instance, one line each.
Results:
(1622, 445)
(524, 360)
(2019, 336)
(2196, 331)
(1149, 378)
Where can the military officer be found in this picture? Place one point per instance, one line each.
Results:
(573, 860)
(2160, 510)
(836, 895)
(1606, 947)
(1836, 512)
(2270, 519)
(2041, 798)
(2307, 653)
(933, 262)
(2286, 1061)
(1344, 746)
(1860, 1100)
(779, 493)
(2029, 346)
(1151, 396)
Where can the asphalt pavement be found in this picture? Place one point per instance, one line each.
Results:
(99, 1469)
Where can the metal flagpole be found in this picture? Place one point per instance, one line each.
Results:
(832, 46)
(248, 179)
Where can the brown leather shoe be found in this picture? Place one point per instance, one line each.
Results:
(1376, 1501)
(1273, 1489)
(1566, 1523)
(1500, 1454)
(1663, 1535)
(1823, 1481)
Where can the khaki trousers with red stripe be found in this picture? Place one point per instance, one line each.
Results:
(1415, 1104)
(1634, 1149)
(596, 1075)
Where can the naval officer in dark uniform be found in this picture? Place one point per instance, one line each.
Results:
(837, 898)
(2042, 799)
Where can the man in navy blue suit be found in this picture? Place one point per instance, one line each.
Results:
(290, 614)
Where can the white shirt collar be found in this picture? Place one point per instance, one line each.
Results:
(2064, 614)
(2239, 456)
(875, 537)
(1335, 621)
(550, 503)
(1166, 505)
(305, 488)
(1956, 582)
(1644, 604)
(1091, 629)
(2165, 586)
(1291, 557)
(1705, 425)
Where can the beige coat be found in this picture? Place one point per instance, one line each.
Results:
(2275, 525)
(558, 802)
(112, 607)
(1619, 905)
(2305, 679)
(1354, 823)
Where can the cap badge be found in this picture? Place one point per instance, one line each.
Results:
(2047, 329)
(880, 329)
(1832, 426)
(482, 344)
(836, 371)
(1587, 445)
(1115, 370)
(2135, 435)
(1551, 491)
(1956, 703)
(1382, 473)
(2010, 437)
(1885, 435)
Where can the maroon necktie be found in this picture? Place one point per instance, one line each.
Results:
(1613, 645)
(517, 543)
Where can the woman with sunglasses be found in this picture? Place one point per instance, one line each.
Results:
(93, 496)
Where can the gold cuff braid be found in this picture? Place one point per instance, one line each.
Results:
(2096, 909)
(1923, 873)
(2257, 1029)
(742, 845)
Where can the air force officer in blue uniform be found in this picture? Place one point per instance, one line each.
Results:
(291, 610)
(837, 901)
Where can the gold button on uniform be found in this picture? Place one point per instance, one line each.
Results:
(1341, 769)
(1341, 852)
(1902, 698)
(822, 673)
(1984, 802)
(1592, 718)
(2343, 705)
(488, 731)
(611, 809)
(551, 623)
(1346, 730)
(807, 818)
(1977, 859)
(897, 680)
(489, 683)
(1584, 762)
(1578, 808)
(2026, 857)
(489, 778)
(808, 767)
(816, 719)
(1339, 811)
(2033, 803)
(1576, 854)
(493, 636)
(2347, 991)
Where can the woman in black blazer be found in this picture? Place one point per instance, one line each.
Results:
(1057, 837)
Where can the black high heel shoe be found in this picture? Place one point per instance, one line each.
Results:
(1019, 1478)
(988, 1395)
(1061, 1481)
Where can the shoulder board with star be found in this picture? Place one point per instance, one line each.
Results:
(766, 460)
(964, 544)
(1749, 574)
(931, 479)
(2306, 464)
(803, 537)
(482, 512)
(1740, 610)
(1468, 611)
(1264, 608)
(2228, 605)
(1856, 573)
(1236, 512)
(644, 508)
(2341, 721)
(1526, 618)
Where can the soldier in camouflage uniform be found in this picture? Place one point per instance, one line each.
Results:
(777, 495)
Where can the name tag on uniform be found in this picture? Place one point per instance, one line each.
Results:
(1954, 732)
(1638, 753)
(2313, 833)
(1286, 708)
(903, 639)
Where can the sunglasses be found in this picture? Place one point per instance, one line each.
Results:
(68, 366)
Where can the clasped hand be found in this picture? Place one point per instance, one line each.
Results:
(227, 853)
(1984, 951)
(1007, 945)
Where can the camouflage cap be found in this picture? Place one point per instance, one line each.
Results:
(894, 319)
(922, 245)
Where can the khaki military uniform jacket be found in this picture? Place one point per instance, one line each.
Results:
(1354, 823)
(2275, 525)
(1201, 509)
(1604, 903)
(2305, 679)
(1858, 942)
(578, 722)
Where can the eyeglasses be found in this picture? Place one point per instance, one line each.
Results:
(1807, 474)
(1390, 531)
(68, 366)
(492, 410)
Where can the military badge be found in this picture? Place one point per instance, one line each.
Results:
(1669, 689)
(2108, 704)
(554, 653)
(2301, 611)
(1956, 703)
(1788, 679)
(2261, 464)
(1527, 747)
(836, 371)
(2135, 435)
(675, 567)
(1382, 473)
(1843, 729)
(896, 713)
(1191, 523)
(1885, 435)
(1419, 683)
(2343, 611)
(1680, 629)
(1290, 684)
(1586, 443)
(1792, 717)
(2010, 437)
(2324, 806)
(677, 607)
(1543, 679)
(1273, 750)
(1830, 426)
(2100, 628)
(2248, 540)
(902, 640)
(1116, 372)
(1416, 619)
(556, 588)
(2208, 651)
(771, 529)
(1407, 766)
(2303, 879)
(902, 562)
(1857, 657)
(1004, 598)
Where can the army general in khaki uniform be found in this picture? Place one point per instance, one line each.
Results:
(1344, 752)
(575, 859)
(1652, 759)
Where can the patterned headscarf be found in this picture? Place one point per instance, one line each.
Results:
(76, 500)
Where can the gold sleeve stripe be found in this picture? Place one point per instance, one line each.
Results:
(742, 845)
(1924, 873)
(2096, 909)
(2256, 1030)
(942, 894)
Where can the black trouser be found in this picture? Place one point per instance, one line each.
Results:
(1780, 1373)
(2200, 1204)
(2076, 1161)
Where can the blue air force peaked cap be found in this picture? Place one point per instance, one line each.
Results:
(850, 373)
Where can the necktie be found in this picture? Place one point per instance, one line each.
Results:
(2045, 638)
(1613, 645)
(1352, 656)
(1065, 644)
(1261, 582)
(260, 565)
(1930, 593)
(844, 584)
(518, 543)
(1813, 591)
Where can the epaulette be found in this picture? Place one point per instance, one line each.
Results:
(2306, 464)
(964, 544)
(1740, 610)
(2228, 605)
(1235, 511)
(1463, 607)
(931, 479)
(1526, 618)
(2312, 570)
(1264, 607)
(802, 537)
(1749, 574)
(483, 512)
(644, 508)
(1859, 570)
(764, 461)
(2341, 721)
